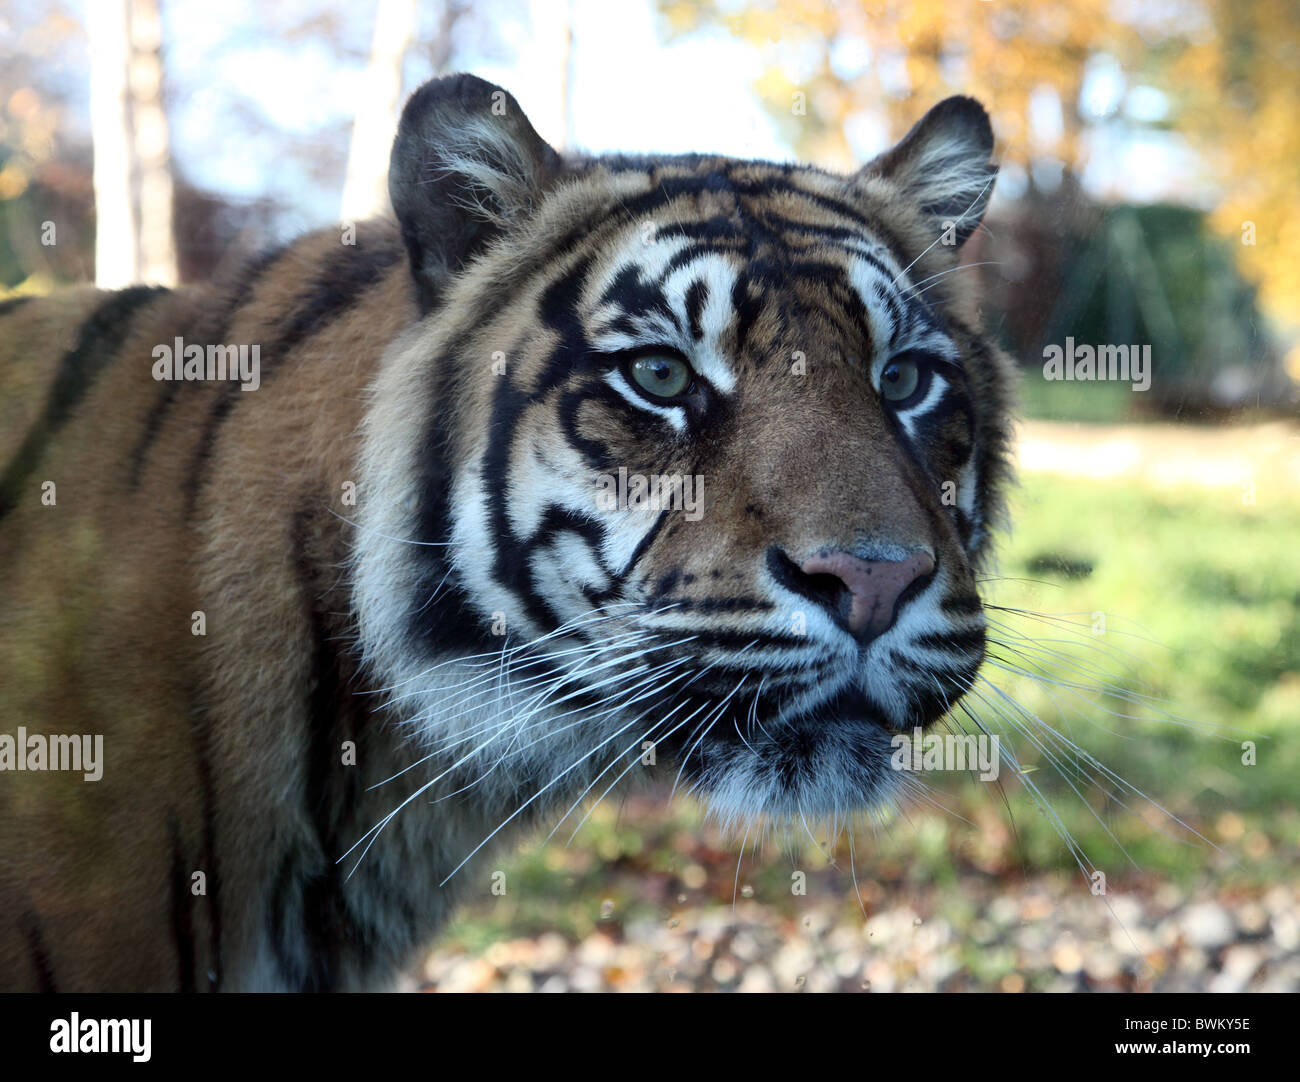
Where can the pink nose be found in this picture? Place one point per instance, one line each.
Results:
(874, 586)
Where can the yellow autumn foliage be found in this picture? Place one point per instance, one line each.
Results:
(1229, 68)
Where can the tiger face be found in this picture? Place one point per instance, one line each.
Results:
(691, 461)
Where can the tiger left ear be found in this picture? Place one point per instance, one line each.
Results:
(943, 165)
(466, 164)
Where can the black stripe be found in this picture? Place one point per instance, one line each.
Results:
(970, 640)
(836, 288)
(696, 299)
(211, 866)
(669, 189)
(768, 186)
(740, 640)
(638, 298)
(102, 335)
(182, 918)
(992, 437)
(152, 426)
(890, 301)
(961, 605)
(718, 228)
(12, 304)
(597, 456)
(748, 308)
(211, 329)
(450, 623)
(709, 604)
(339, 286)
(707, 239)
(740, 246)
(965, 527)
(39, 953)
(519, 576)
(877, 230)
(331, 789)
(311, 880)
(647, 539)
(284, 892)
(512, 567)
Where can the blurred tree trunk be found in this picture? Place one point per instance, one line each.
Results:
(441, 49)
(566, 79)
(116, 252)
(365, 187)
(133, 182)
(152, 146)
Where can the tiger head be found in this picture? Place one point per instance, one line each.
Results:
(690, 460)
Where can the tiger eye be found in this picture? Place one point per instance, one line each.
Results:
(899, 379)
(661, 376)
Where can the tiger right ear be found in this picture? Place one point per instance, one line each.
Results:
(942, 165)
(466, 163)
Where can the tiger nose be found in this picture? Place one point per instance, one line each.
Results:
(869, 589)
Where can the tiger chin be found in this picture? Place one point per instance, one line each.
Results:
(346, 634)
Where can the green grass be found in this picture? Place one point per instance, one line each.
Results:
(1199, 603)
(1061, 400)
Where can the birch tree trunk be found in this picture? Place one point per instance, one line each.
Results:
(117, 261)
(566, 79)
(152, 146)
(365, 188)
(134, 238)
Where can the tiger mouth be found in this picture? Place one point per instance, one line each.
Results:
(826, 759)
(850, 704)
(743, 727)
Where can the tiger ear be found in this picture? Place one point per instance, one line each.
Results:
(943, 165)
(466, 163)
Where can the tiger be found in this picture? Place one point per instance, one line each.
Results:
(577, 471)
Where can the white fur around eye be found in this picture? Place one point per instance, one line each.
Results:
(674, 415)
(909, 415)
(936, 389)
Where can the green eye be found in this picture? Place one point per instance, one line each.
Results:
(899, 379)
(661, 376)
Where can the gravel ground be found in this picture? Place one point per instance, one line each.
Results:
(1035, 937)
